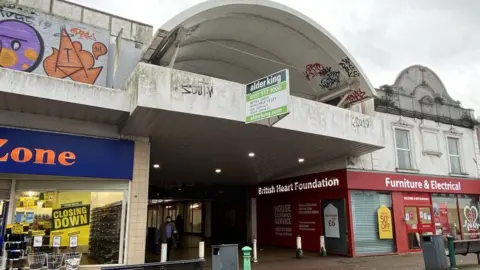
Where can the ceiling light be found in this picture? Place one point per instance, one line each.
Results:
(301, 160)
(251, 154)
(156, 166)
(218, 170)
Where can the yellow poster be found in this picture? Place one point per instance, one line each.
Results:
(17, 228)
(71, 216)
(385, 227)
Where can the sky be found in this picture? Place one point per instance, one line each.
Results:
(383, 36)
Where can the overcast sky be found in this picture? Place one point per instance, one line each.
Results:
(383, 36)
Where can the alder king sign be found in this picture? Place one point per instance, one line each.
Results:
(267, 97)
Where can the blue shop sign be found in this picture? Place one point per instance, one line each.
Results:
(34, 152)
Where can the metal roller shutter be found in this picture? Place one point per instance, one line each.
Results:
(365, 222)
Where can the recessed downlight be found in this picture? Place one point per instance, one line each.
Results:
(301, 160)
(156, 166)
(251, 154)
(218, 170)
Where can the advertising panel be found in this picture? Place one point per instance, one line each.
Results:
(385, 226)
(267, 97)
(71, 217)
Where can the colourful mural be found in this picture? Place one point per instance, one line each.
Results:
(47, 45)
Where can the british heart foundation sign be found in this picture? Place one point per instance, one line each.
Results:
(385, 228)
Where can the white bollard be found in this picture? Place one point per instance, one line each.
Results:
(299, 243)
(323, 250)
(163, 253)
(201, 250)
(299, 252)
(255, 259)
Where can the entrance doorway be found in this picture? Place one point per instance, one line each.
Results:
(335, 226)
(418, 222)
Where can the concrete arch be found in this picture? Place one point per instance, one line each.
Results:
(271, 29)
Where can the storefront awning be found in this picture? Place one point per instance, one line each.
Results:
(244, 40)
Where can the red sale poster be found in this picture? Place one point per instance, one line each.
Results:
(444, 218)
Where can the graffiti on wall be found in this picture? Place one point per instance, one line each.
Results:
(329, 78)
(352, 72)
(46, 45)
(349, 68)
(192, 86)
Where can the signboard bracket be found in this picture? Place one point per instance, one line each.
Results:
(276, 119)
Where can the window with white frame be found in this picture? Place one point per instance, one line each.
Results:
(403, 149)
(454, 157)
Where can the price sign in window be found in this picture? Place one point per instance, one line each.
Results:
(73, 241)
(37, 241)
(56, 241)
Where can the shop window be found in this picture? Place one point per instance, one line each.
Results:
(194, 218)
(445, 215)
(469, 216)
(93, 218)
(403, 148)
(454, 157)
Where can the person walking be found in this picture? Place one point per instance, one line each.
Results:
(168, 235)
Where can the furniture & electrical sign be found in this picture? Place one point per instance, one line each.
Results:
(410, 183)
(433, 185)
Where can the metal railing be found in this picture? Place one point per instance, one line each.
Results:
(197, 264)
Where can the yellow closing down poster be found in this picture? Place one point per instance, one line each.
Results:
(71, 216)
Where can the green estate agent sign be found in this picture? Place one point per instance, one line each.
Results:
(268, 97)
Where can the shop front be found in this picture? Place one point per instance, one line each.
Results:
(65, 193)
(419, 205)
(309, 206)
(360, 213)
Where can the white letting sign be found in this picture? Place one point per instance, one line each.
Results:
(267, 97)
(330, 217)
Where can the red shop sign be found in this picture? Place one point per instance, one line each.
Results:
(412, 183)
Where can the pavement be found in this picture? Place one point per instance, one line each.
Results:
(315, 262)
(284, 259)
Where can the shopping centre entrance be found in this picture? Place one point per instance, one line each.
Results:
(193, 97)
(206, 170)
(215, 214)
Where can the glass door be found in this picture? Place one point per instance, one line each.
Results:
(411, 223)
(418, 222)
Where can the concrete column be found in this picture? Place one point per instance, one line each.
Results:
(137, 207)
(253, 224)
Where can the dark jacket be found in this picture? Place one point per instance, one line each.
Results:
(162, 233)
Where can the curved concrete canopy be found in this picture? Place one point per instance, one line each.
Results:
(243, 40)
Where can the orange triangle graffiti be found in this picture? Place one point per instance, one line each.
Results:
(68, 55)
(70, 60)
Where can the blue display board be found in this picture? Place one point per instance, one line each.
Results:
(43, 153)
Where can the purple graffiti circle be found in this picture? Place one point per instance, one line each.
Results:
(21, 46)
